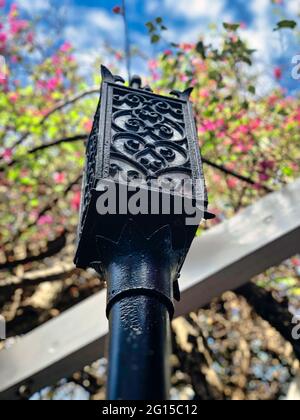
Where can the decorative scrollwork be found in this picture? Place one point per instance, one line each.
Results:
(149, 131)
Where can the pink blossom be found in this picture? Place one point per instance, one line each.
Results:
(232, 182)
(155, 75)
(183, 78)
(278, 73)
(204, 93)
(117, 10)
(3, 37)
(221, 135)
(30, 37)
(88, 125)
(53, 83)
(75, 202)
(45, 220)
(66, 47)
(257, 186)
(2, 3)
(168, 52)
(13, 9)
(55, 60)
(216, 178)
(119, 56)
(152, 64)
(234, 38)
(59, 177)
(17, 26)
(186, 46)
(7, 155)
(14, 59)
(13, 97)
(59, 72)
(70, 58)
(255, 124)
(267, 164)
(41, 84)
(264, 177)
(243, 148)
(273, 99)
(244, 129)
(296, 261)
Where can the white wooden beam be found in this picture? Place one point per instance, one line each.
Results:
(223, 258)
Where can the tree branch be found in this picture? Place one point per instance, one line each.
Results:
(58, 107)
(47, 146)
(208, 162)
(243, 178)
(53, 248)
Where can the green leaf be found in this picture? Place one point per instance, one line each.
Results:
(246, 60)
(295, 292)
(200, 48)
(286, 24)
(252, 89)
(232, 27)
(155, 39)
(159, 20)
(34, 202)
(150, 26)
(288, 171)
(245, 105)
(287, 281)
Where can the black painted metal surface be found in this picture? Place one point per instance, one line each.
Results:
(139, 349)
(143, 138)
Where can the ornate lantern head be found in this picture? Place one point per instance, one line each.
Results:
(146, 144)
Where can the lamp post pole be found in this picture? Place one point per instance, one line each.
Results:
(139, 309)
(143, 197)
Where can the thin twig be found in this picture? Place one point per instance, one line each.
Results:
(243, 178)
(58, 107)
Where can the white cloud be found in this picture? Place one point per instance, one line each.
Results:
(34, 5)
(194, 9)
(89, 28)
(260, 35)
(99, 18)
(293, 6)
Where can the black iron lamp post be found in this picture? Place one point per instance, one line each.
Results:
(142, 200)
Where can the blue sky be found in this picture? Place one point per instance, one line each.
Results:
(89, 23)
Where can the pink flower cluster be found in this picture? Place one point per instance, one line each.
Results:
(45, 220)
(50, 84)
(7, 155)
(208, 125)
(59, 177)
(16, 25)
(75, 201)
